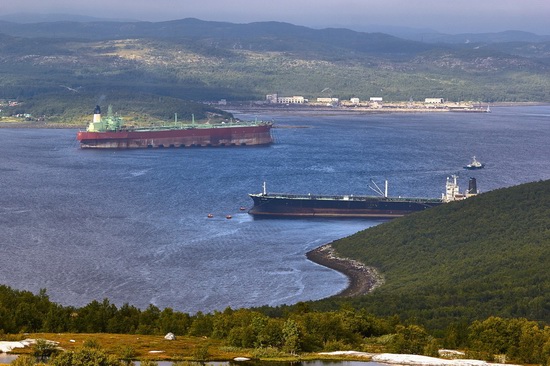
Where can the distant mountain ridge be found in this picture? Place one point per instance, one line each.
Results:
(200, 60)
(32, 25)
(258, 36)
(409, 33)
(267, 36)
(26, 18)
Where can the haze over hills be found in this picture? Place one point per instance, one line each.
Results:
(415, 34)
(27, 18)
(424, 34)
(191, 59)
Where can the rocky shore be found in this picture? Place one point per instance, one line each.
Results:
(362, 279)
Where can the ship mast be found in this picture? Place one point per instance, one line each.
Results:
(379, 190)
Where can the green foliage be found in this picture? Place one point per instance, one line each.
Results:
(91, 343)
(411, 339)
(43, 350)
(148, 363)
(173, 321)
(84, 357)
(125, 320)
(24, 360)
(521, 340)
(201, 352)
(291, 337)
(138, 108)
(332, 346)
(304, 329)
(267, 352)
(148, 320)
(22, 311)
(127, 354)
(487, 255)
(202, 325)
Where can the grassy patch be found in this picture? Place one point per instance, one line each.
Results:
(145, 347)
(148, 347)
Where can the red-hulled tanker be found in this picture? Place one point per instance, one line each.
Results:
(109, 133)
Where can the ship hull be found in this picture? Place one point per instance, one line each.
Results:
(338, 206)
(189, 137)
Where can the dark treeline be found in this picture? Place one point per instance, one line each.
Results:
(297, 329)
(137, 107)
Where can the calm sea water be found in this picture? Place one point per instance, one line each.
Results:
(132, 226)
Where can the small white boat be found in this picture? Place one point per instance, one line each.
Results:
(474, 165)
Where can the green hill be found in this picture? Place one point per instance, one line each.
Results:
(195, 60)
(136, 108)
(485, 256)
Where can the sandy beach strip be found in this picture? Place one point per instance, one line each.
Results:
(362, 279)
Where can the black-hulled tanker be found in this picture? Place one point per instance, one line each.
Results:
(282, 204)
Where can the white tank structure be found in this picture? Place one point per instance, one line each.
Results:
(97, 114)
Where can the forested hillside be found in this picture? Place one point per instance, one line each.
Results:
(195, 60)
(224, 335)
(485, 256)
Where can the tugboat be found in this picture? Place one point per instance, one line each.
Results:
(474, 165)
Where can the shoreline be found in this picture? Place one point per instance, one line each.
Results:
(237, 108)
(362, 279)
(243, 108)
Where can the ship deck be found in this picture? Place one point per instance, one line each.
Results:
(351, 197)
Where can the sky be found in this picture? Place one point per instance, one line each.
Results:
(446, 16)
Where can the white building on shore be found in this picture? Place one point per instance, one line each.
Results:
(434, 100)
(275, 98)
(296, 99)
(327, 100)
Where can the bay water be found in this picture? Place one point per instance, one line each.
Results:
(131, 225)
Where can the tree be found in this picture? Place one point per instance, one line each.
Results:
(44, 349)
(202, 325)
(201, 352)
(148, 320)
(57, 319)
(411, 339)
(291, 337)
